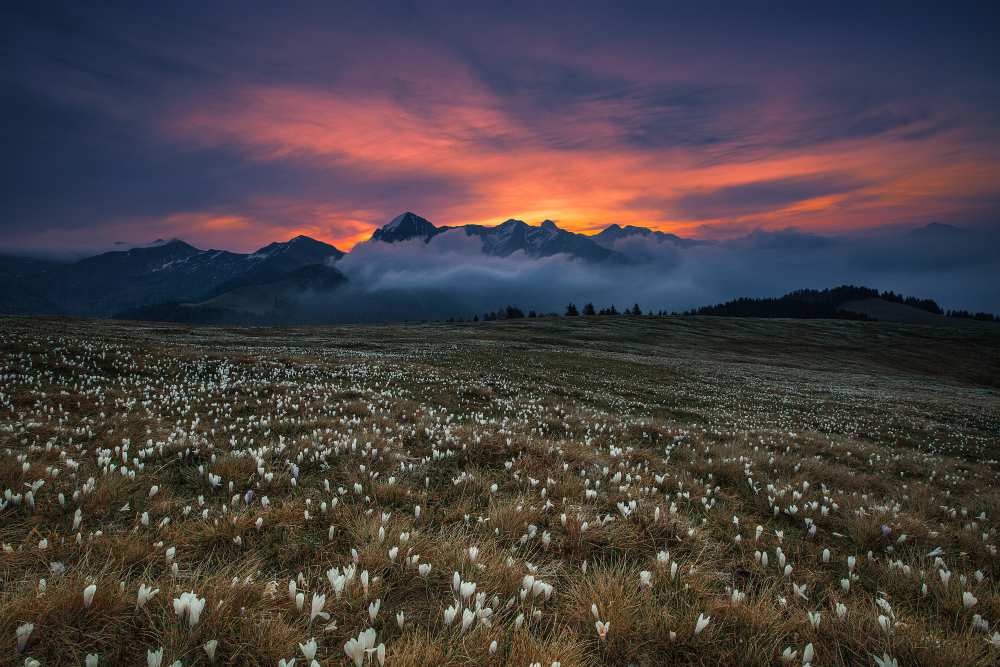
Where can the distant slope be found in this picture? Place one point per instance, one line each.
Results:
(779, 307)
(15, 266)
(889, 311)
(20, 293)
(274, 295)
(272, 299)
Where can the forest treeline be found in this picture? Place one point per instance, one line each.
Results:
(801, 304)
(826, 303)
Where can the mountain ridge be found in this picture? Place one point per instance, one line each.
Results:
(147, 278)
(107, 283)
(174, 271)
(512, 235)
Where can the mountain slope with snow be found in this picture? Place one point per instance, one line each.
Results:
(406, 226)
(502, 240)
(614, 233)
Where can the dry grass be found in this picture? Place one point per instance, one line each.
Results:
(641, 473)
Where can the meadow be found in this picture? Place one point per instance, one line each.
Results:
(550, 492)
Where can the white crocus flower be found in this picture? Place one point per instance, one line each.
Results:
(468, 588)
(885, 661)
(885, 623)
(189, 605)
(449, 614)
(154, 658)
(23, 632)
(309, 649)
(210, 646)
(468, 617)
(88, 595)
(145, 594)
(316, 611)
(357, 647)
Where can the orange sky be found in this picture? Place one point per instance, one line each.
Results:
(583, 188)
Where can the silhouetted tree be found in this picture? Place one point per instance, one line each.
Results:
(589, 309)
(967, 315)
(571, 310)
(512, 313)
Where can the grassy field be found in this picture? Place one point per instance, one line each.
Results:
(614, 491)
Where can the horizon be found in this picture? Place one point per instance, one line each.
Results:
(230, 129)
(117, 246)
(470, 277)
(83, 252)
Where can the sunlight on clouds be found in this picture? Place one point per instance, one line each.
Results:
(510, 170)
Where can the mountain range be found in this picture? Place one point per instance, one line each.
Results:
(165, 271)
(413, 269)
(168, 279)
(508, 237)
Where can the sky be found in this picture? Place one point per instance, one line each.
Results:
(231, 125)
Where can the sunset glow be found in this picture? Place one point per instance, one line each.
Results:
(330, 125)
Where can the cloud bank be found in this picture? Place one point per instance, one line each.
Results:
(450, 277)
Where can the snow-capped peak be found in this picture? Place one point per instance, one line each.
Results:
(405, 226)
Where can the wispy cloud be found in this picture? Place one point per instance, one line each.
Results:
(737, 201)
